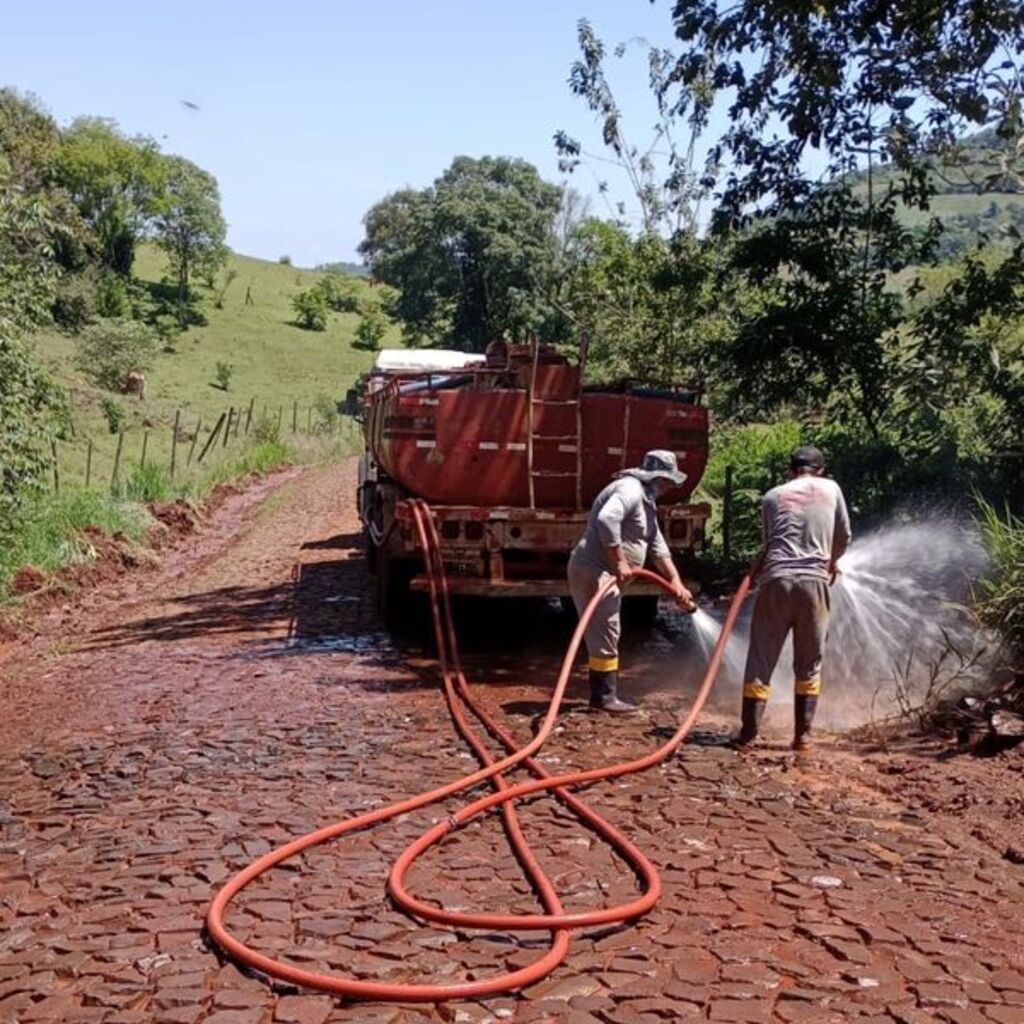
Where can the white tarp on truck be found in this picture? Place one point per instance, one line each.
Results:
(410, 360)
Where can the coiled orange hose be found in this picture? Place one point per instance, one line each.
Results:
(554, 919)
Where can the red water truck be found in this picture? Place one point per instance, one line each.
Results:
(509, 450)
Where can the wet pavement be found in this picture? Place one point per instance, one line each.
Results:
(166, 734)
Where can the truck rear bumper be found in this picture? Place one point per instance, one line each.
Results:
(471, 586)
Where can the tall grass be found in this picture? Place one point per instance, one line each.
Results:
(48, 530)
(999, 595)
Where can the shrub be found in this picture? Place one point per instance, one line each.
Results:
(759, 456)
(112, 298)
(224, 373)
(341, 293)
(113, 413)
(285, 260)
(999, 595)
(29, 401)
(110, 350)
(75, 303)
(310, 310)
(326, 413)
(371, 329)
(147, 483)
(267, 430)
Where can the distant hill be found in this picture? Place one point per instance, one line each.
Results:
(974, 199)
(355, 269)
(275, 363)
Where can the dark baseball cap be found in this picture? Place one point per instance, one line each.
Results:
(807, 457)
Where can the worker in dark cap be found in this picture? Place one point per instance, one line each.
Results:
(806, 529)
(622, 535)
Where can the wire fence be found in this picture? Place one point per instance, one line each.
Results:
(188, 445)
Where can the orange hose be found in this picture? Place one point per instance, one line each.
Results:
(554, 919)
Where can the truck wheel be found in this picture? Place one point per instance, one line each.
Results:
(393, 594)
(640, 612)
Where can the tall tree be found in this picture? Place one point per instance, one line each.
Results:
(189, 225)
(473, 255)
(116, 183)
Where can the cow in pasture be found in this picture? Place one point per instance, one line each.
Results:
(135, 384)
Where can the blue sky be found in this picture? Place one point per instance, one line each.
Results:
(311, 111)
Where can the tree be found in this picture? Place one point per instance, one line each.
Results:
(29, 400)
(370, 330)
(112, 349)
(473, 255)
(649, 304)
(29, 140)
(115, 182)
(189, 225)
(311, 309)
(860, 83)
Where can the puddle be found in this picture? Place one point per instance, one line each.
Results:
(354, 643)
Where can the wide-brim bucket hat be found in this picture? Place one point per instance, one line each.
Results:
(658, 464)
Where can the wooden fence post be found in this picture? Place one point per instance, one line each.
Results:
(115, 475)
(174, 441)
(727, 516)
(88, 463)
(195, 439)
(213, 437)
(248, 415)
(145, 445)
(227, 428)
(56, 469)
(295, 416)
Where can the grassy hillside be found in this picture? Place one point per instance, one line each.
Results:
(275, 365)
(965, 202)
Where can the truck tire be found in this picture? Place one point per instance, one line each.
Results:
(394, 598)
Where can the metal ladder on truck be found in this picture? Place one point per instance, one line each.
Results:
(575, 438)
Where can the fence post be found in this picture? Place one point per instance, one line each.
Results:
(280, 416)
(295, 415)
(248, 415)
(727, 516)
(195, 440)
(213, 437)
(56, 470)
(88, 463)
(145, 445)
(309, 420)
(115, 477)
(174, 441)
(227, 428)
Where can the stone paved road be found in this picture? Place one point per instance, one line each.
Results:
(244, 694)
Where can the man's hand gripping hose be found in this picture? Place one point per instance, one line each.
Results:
(554, 919)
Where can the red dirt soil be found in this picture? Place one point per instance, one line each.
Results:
(166, 726)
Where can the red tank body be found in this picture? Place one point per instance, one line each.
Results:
(466, 443)
(510, 453)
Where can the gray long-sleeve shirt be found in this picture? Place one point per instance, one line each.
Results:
(625, 514)
(806, 528)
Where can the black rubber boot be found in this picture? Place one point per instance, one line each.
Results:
(804, 708)
(603, 696)
(750, 722)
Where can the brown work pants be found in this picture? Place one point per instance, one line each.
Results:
(798, 604)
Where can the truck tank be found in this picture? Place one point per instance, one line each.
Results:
(510, 450)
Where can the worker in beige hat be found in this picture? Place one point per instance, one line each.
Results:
(622, 535)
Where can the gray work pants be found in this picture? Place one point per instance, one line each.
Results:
(605, 628)
(797, 604)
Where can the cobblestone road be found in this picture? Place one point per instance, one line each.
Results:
(243, 694)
